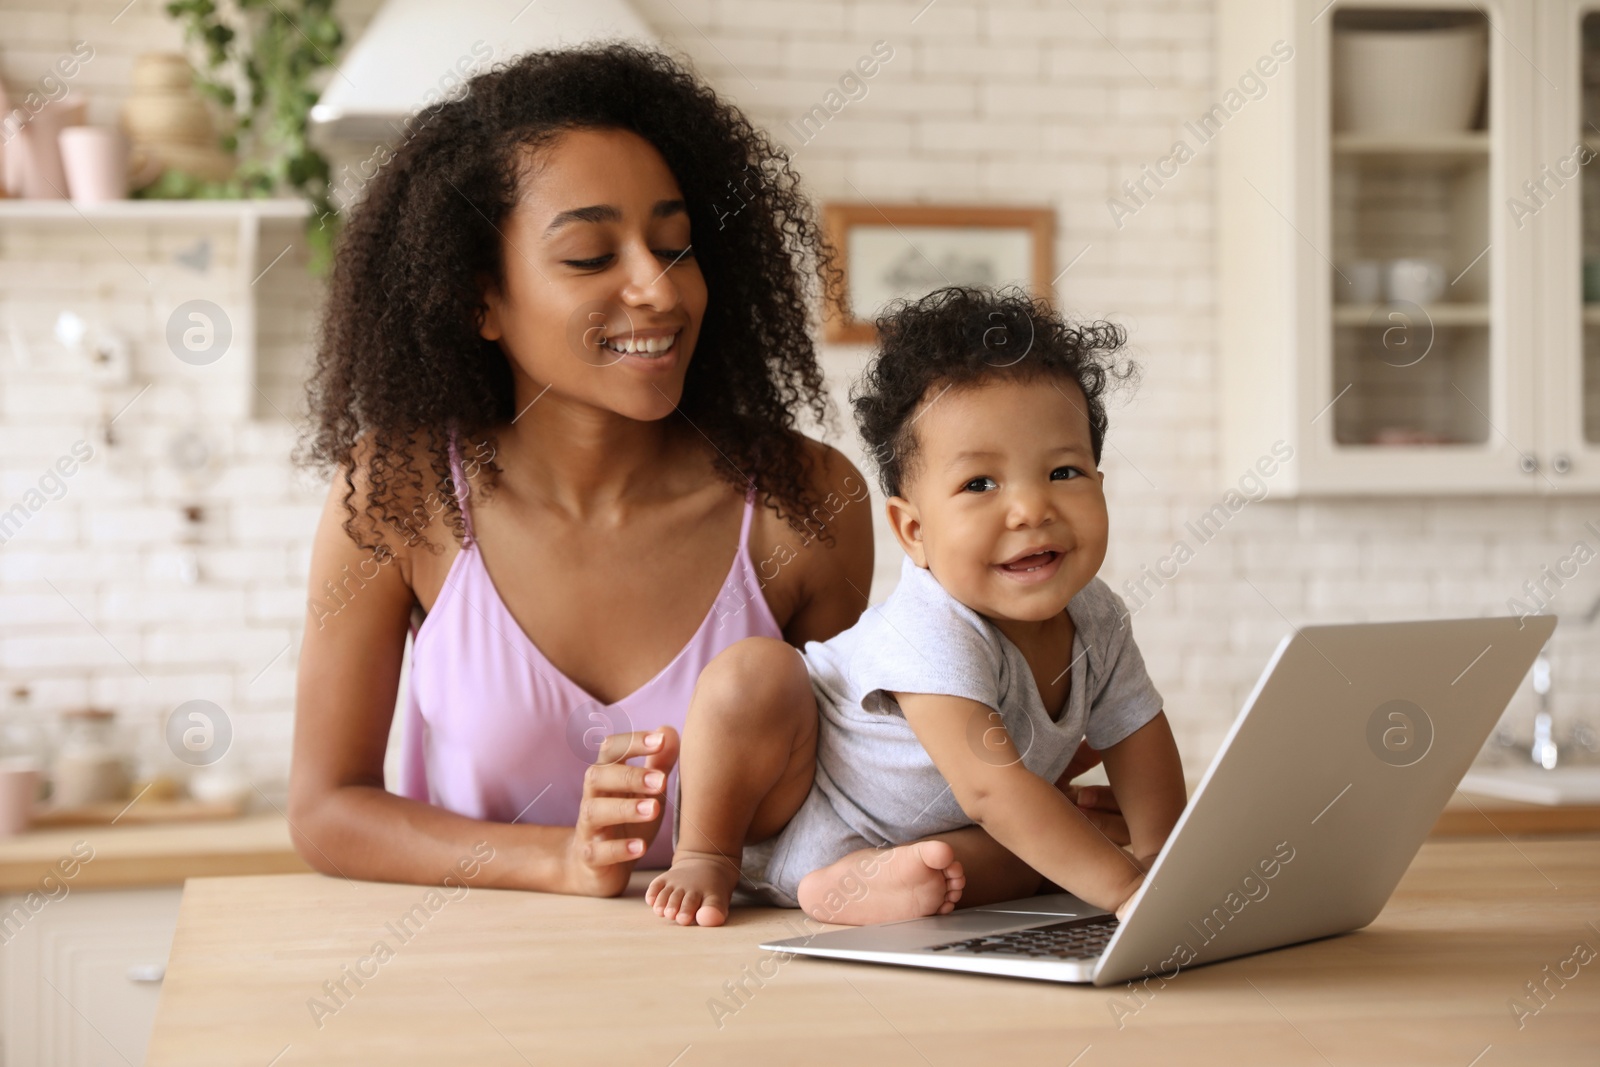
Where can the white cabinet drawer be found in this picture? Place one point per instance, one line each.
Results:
(79, 977)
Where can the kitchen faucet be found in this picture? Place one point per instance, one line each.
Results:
(1545, 751)
(1544, 742)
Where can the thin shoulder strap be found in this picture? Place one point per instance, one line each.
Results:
(463, 489)
(749, 510)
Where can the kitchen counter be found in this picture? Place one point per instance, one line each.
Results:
(1471, 815)
(166, 854)
(153, 854)
(500, 977)
(260, 845)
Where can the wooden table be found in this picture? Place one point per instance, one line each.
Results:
(496, 977)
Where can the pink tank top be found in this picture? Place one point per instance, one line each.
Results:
(493, 731)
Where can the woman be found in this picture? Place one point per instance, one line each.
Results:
(564, 349)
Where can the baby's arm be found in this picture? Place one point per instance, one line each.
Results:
(1147, 778)
(1022, 811)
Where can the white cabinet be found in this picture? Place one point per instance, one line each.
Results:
(1385, 306)
(80, 977)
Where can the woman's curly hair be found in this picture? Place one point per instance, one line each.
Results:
(400, 363)
(960, 336)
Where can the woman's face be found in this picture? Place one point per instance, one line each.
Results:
(603, 299)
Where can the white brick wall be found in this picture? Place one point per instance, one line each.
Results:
(1006, 101)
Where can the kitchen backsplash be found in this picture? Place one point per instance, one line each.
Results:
(102, 601)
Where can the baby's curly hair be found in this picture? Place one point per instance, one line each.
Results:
(962, 336)
(400, 363)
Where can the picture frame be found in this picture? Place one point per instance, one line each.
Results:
(908, 250)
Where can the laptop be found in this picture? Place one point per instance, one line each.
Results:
(1318, 800)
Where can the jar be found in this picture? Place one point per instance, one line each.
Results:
(89, 768)
(21, 739)
(21, 764)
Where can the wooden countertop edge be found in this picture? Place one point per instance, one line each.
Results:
(132, 872)
(168, 855)
(147, 855)
(1524, 820)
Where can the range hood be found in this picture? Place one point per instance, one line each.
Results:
(415, 52)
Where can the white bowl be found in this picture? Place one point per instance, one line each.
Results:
(1408, 81)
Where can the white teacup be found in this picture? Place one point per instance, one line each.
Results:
(1420, 281)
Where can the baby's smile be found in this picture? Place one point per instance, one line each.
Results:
(1036, 565)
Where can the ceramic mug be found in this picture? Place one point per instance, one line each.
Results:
(96, 161)
(1417, 281)
(19, 789)
(1362, 282)
(32, 168)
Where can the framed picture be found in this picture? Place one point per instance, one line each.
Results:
(909, 250)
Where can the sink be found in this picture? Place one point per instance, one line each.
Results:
(1578, 784)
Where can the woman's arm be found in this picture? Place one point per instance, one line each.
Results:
(343, 821)
(1020, 810)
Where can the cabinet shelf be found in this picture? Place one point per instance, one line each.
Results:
(1357, 315)
(152, 210)
(1439, 149)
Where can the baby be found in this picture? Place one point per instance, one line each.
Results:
(916, 745)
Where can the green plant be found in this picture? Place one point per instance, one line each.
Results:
(263, 58)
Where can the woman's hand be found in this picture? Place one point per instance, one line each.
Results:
(1097, 802)
(620, 812)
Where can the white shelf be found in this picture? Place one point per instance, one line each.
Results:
(153, 210)
(1438, 314)
(255, 232)
(1469, 146)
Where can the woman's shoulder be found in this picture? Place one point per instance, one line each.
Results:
(832, 474)
(839, 499)
(816, 567)
(395, 498)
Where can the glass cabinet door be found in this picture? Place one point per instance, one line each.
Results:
(1581, 458)
(1421, 375)
(1559, 201)
(1410, 214)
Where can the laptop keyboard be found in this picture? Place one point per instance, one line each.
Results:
(1074, 939)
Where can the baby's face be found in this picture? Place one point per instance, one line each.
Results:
(1004, 502)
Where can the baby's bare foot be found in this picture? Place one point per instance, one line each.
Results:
(869, 886)
(695, 889)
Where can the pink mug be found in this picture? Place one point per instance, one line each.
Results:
(32, 154)
(19, 790)
(95, 159)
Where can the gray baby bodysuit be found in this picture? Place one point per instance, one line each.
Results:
(875, 784)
